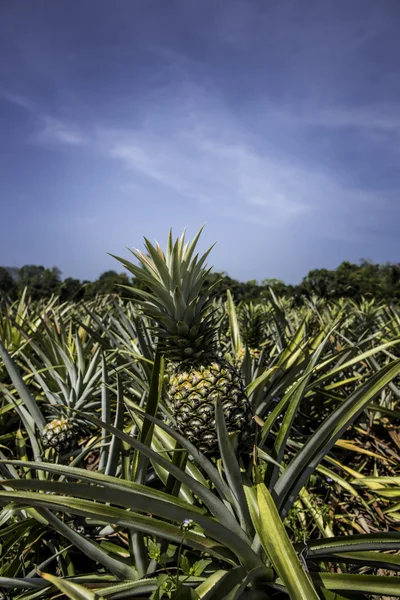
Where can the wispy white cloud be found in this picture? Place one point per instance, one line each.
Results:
(208, 157)
(200, 151)
(17, 100)
(55, 130)
(370, 118)
(379, 118)
(234, 178)
(48, 129)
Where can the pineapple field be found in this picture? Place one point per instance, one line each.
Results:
(170, 443)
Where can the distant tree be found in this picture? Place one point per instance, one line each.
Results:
(319, 282)
(251, 290)
(220, 282)
(279, 287)
(109, 282)
(348, 280)
(391, 282)
(41, 282)
(7, 284)
(88, 288)
(71, 289)
(13, 272)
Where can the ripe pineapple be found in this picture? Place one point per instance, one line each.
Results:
(180, 307)
(60, 434)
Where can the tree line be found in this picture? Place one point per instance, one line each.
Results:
(43, 283)
(349, 280)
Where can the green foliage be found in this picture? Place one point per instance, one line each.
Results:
(133, 509)
(382, 282)
(7, 286)
(109, 282)
(349, 280)
(41, 282)
(71, 289)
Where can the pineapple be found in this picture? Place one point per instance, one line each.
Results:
(254, 353)
(179, 302)
(60, 434)
(252, 323)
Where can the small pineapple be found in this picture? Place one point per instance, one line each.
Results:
(179, 303)
(255, 354)
(252, 328)
(60, 434)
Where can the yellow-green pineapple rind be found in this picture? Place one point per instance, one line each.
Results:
(60, 434)
(194, 391)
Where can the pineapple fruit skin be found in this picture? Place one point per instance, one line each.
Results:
(194, 390)
(60, 434)
(255, 354)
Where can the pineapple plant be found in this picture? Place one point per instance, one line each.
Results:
(174, 294)
(70, 385)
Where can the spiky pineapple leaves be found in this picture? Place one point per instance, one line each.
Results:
(234, 329)
(74, 591)
(227, 492)
(277, 545)
(320, 443)
(19, 384)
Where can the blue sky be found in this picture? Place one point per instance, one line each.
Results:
(276, 123)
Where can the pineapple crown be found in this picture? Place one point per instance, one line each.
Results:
(177, 299)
